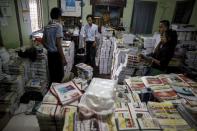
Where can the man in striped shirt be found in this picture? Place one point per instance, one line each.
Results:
(52, 40)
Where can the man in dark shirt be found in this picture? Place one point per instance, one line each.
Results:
(163, 53)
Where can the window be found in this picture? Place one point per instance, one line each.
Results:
(183, 11)
(35, 14)
(143, 17)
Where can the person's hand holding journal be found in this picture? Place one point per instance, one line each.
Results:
(144, 58)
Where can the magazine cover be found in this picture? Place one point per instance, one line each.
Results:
(69, 118)
(107, 124)
(165, 94)
(67, 92)
(164, 79)
(152, 81)
(146, 122)
(176, 80)
(84, 124)
(126, 121)
(135, 83)
(188, 81)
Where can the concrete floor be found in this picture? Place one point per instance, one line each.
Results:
(22, 122)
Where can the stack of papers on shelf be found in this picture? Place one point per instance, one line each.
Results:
(84, 71)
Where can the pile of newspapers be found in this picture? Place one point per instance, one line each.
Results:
(68, 50)
(84, 71)
(185, 32)
(37, 72)
(148, 43)
(118, 59)
(55, 106)
(50, 117)
(105, 55)
(11, 86)
(131, 67)
(50, 114)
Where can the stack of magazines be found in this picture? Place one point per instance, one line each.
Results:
(36, 85)
(84, 71)
(167, 116)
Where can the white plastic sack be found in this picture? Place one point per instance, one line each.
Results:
(99, 98)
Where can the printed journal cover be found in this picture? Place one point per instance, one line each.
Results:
(67, 92)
